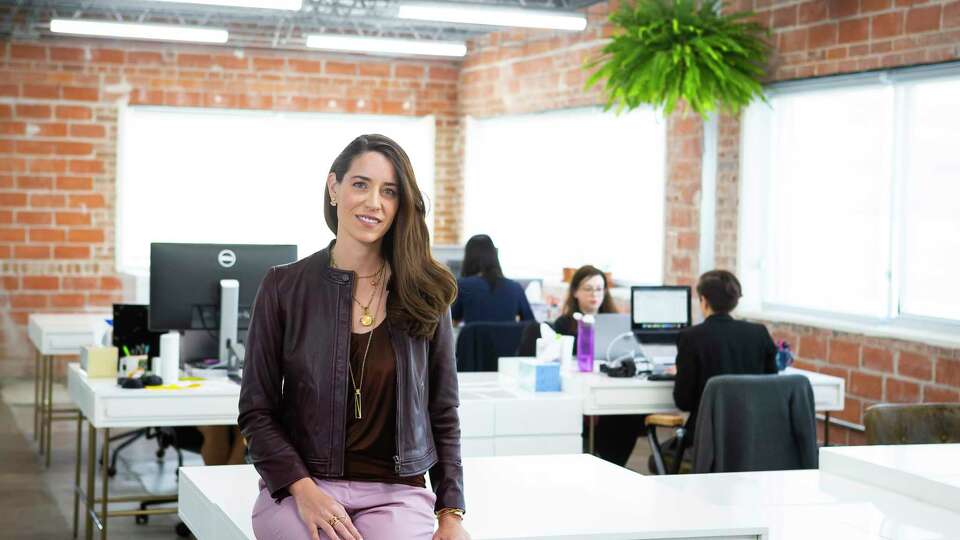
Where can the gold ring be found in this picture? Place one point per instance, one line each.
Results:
(334, 521)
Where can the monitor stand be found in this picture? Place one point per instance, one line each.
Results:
(229, 313)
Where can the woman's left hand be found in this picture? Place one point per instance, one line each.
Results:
(450, 528)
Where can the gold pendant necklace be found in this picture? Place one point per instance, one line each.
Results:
(366, 319)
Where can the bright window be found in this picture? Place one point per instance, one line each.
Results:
(848, 199)
(231, 176)
(567, 188)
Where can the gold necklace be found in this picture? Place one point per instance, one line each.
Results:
(365, 318)
(357, 404)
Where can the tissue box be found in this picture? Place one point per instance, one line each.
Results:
(99, 361)
(539, 376)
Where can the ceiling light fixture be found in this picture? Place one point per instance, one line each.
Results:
(289, 5)
(379, 45)
(159, 32)
(493, 16)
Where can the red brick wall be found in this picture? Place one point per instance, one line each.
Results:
(58, 119)
(522, 71)
(821, 37)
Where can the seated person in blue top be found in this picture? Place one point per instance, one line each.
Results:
(484, 295)
(720, 345)
(615, 435)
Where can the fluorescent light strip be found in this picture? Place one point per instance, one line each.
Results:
(493, 16)
(138, 31)
(289, 5)
(378, 45)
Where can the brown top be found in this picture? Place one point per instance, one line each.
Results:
(371, 440)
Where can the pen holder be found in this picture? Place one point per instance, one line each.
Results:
(130, 364)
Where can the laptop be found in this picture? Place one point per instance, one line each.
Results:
(610, 326)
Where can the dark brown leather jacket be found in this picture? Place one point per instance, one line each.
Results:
(294, 395)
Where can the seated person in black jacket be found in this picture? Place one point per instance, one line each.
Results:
(720, 345)
(615, 435)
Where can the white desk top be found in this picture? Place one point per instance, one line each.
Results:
(928, 472)
(582, 497)
(514, 497)
(65, 333)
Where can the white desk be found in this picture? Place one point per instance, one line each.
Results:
(518, 497)
(57, 334)
(927, 472)
(494, 420)
(603, 395)
(593, 499)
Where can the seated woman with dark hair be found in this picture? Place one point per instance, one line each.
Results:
(483, 294)
(720, 345)
(589, 294)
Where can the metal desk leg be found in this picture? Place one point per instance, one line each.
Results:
(41, 412)
(37, 367)
(826, 428)
(76, 475)
(105, 478)
(593, 425)
(91, 477)
(49, 406)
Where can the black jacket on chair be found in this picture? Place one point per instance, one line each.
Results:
(720, 345)
(481, 344)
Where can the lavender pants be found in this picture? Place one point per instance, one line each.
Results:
(377, 510)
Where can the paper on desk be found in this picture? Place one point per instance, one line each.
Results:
(174, 386)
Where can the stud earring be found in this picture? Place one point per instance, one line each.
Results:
(333, 202)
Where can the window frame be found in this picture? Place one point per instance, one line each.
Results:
(895, 323)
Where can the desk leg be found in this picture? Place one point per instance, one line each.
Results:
(91, 477)
(37, 367)
(41, 407)
(593, 427)
(49, 406)
(826, 428)
(105, 479)
(76, 475)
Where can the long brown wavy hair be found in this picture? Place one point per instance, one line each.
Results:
(572, 306)
(422, 288)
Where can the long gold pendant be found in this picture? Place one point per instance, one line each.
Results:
(357, 411)
(366, 319)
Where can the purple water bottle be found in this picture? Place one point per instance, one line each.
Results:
(585, 331)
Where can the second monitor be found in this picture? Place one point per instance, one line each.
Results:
(658, 313)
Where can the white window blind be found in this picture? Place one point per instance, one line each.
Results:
(567, 188)
(232, 176)
(848, 199)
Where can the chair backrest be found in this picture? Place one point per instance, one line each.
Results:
(755, 423)
(923, 423)
(480, 344)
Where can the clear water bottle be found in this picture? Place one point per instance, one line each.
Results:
(585, 334)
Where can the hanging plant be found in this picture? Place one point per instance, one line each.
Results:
(667, 50)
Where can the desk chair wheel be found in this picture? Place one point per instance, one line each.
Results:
(182, 530)
(142, 520)
(111, 471)
(160, 453)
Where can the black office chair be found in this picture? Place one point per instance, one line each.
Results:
(179, 438)
(480, 344)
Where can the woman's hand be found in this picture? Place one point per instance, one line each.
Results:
(318, 510)
(451, 528)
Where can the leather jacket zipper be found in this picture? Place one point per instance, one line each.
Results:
(399, 415)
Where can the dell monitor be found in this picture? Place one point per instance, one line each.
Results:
(658, 313)
(209, 287)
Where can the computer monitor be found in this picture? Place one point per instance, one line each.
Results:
(658, 313)
(210, 287)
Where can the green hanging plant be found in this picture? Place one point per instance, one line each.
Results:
(667, 50)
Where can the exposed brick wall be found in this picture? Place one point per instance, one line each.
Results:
(521, 71)
(58, 119)
(820, 37)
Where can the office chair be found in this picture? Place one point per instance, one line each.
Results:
(747, 423)
(481, 344)
(179, 438)
(922, 423)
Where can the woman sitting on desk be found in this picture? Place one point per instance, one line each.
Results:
(720, 345)
(484, 294)
(349, 393)
(615, 435)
